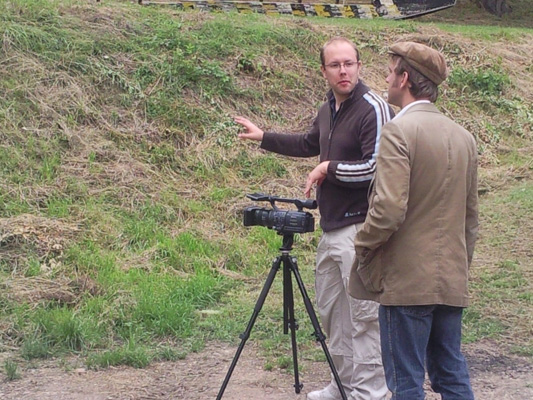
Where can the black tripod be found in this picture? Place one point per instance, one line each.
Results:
(289, 265)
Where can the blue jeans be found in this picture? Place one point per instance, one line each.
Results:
(417, 336)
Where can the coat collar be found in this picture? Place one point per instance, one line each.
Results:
(417, 106)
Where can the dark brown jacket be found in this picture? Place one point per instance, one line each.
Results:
(350, 142)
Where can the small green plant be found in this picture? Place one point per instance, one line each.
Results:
(488, 81)
(35, 347)
(60, 329)
(58, 206)
(49, 167)
(33, 268)
(284, 362)
(168, 353)
(11, 370)
(131, 354)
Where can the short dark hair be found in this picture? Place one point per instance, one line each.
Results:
(337, 39)
(421, 86)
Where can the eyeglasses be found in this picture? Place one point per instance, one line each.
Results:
(338, 66)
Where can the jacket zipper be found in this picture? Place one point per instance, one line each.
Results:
(332, 126)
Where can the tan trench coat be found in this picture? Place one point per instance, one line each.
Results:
(416, 244)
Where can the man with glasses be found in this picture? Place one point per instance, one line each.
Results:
(345, 135)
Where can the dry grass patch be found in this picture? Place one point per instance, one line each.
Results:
(47, 237)
(37, 290)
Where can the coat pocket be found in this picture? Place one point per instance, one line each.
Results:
(369, 270)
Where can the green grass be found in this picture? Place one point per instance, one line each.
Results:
(35, 348)
(488, 82)
(123, 181)
(131, 354)
(503, 285)
(136, 304)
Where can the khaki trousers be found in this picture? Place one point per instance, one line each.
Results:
(351, 325)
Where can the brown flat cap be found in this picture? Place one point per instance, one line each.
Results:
(429, 62)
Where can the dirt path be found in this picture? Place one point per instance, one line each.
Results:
(495, 376)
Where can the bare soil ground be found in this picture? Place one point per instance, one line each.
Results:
(495, 376)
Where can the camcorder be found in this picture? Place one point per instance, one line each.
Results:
(282, 221)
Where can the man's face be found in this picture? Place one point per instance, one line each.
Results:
(394, 81)
(341, 68)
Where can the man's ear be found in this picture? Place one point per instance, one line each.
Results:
(405, 80)
(323, 70)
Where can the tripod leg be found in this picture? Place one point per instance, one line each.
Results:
(314, 321)
(289, 320)
(246, 334)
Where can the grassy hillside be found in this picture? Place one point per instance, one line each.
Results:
(123, 182)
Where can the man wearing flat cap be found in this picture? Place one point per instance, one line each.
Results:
(415, 247)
